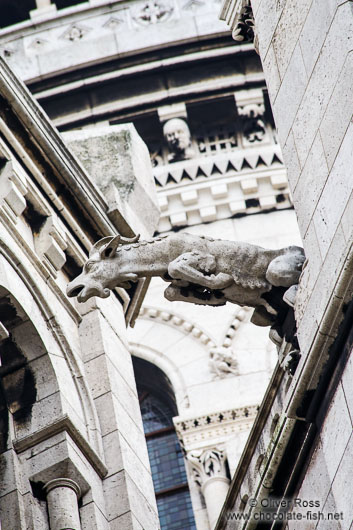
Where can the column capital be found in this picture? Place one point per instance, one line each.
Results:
(62, 483)
(207, 464)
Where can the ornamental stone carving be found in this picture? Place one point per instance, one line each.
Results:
(153, 12)
(207, 464)
(199, 269)
(209, 471)
(222, 363)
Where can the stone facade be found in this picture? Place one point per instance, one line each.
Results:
(69, 407)
(305, 50)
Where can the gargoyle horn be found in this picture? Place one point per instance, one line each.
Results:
(108, 245)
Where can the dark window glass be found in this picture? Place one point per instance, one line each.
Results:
(175, 511)
(167, 463)
(155, 414)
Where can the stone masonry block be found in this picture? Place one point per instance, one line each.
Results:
(287, 32)
(118, 162)
(341, 487)
(320, 86)
(310, 185)
(339, 112)
(335, 194)
(292, 161)
(313, 34)
(290, 95)
(336, 432)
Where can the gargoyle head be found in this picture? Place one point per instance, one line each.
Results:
(100, 273)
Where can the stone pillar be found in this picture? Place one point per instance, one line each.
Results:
(62, 496)
(208, 469)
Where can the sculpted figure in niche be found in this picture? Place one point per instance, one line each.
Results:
(178, 137)
(198, 269)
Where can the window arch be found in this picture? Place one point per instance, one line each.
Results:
(158, 407)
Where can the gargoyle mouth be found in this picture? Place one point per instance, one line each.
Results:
(75, 291)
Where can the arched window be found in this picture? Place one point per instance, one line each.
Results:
(167, 463)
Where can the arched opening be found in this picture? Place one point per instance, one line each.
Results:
(158, 407)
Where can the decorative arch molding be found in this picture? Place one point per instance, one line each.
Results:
(48, 328)
(185, 326)
(168, 367)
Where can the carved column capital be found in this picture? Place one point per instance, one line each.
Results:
(207, 464)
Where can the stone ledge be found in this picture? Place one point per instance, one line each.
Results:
(63, 424)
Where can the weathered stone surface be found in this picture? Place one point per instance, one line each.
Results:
(118, 162)
(202, 270)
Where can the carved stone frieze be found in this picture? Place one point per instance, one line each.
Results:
(153, 12)
(215, 428)
(75, 32)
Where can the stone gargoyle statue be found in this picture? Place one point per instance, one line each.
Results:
(199, 269)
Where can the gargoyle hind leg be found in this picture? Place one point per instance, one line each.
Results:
(195, 267)
(175, 294)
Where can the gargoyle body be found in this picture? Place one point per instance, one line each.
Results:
(199, 269)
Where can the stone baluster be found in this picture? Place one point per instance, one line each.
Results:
(62, 496)
(208, 469)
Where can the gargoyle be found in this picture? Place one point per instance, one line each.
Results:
(199, 269)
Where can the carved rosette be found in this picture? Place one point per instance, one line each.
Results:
(207, 464)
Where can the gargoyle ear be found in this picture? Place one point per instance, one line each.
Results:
(110, 248)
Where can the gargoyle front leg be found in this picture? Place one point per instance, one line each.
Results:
(195, 267)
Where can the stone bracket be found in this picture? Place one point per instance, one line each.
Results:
(13, 188)
(51, 243)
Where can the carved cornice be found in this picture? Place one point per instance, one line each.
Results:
(215, 428)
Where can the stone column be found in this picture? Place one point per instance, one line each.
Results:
(208, 469)
(62, 496)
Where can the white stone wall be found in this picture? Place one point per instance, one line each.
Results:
(306, 51)
(73, 384)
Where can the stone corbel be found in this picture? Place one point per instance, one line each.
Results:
(13, 188)
(50, 244)
(240, 19)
